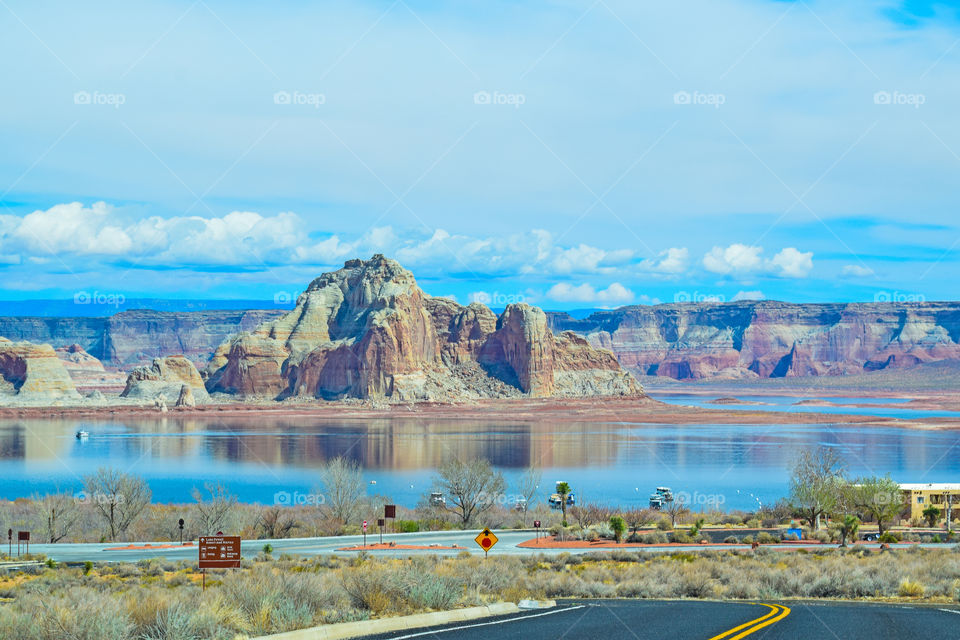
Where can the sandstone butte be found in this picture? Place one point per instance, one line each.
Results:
(33, 373)
(369, 331)
(174, 377)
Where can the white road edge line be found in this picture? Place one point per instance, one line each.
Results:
(950, 610)
(486, 624)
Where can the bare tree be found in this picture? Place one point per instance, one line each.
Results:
(274, 522)
(212, 514)
(118, 498)
(343, 489)
(470, 488)
(676, 508)
(816, 484)
(529, 487)
(58, 514)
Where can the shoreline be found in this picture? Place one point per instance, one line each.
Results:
(625, 410)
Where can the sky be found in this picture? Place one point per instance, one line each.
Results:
(568, 154)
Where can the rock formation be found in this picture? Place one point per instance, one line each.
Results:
(166, 377)
(32, 372)
(133, 338)
(186, 399)
(368, 331)
(771, 339)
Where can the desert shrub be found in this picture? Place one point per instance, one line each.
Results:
(820, 536)
(889, 536)
(79, 613)
(765, 538)
(680, 537)
(792, 537)
(753, 523)
(747, 540)
(910, 589)
(407, 526)
(655, 537)
(768, 522)
(731, 539)
(664, 524)
(635, 537)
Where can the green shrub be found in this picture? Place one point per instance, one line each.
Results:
(910, 589)
(765, 538)
(87, 568)
(664, 524)
(731, 539)
(407, 526)
(747, 540)
(889, 536)
(680, 537)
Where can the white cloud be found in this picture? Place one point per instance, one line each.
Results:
(794, 263)
(72, 228)
(740, 259)
(857, 271)
(672, 261)
(748, 295)
(616, 293)
(737, 258)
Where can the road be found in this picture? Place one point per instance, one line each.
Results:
(690, 620)
(109, 552)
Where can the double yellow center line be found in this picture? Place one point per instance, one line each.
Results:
(777, 613)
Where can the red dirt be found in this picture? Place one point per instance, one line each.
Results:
(147, 547)
(393, 547)
(626, 410)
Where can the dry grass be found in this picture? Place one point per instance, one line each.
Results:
(158, 600)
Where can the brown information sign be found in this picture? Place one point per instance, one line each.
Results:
(219, 552)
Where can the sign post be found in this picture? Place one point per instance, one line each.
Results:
(364, 533)
(23, 536)
(390, 511)
(380, 523)
(10, 542)
(486, 540)
(180, 524)
(536, 525)
(218, 552)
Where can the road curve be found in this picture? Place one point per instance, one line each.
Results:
(706, 620)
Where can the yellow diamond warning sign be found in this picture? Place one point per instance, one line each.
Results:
(486, 540)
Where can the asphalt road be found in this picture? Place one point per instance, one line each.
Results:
(322, 546)
(691, 620)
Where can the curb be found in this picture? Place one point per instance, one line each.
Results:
(345, 630)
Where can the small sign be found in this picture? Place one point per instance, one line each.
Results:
(486, 540)
(380, 522)
(389, 511)
(536, 524)
(23, 536)
(364, 525)
(220, 552)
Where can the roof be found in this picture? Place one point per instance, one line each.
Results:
(930, 486)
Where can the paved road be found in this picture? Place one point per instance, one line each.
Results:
(322, 546)
(691, 620)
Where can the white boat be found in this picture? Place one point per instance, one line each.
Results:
(82, 435)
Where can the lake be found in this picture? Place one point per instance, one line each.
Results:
(737, 466)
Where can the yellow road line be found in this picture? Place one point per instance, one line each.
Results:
(777, 612)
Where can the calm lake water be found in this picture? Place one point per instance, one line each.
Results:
(613, 463)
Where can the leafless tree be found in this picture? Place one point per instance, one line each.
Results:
(343, 489)
(676, 508)
(275, 522)
(118, 498)
(470, 487)
(529, 487)
(213, 513)
(58, 513)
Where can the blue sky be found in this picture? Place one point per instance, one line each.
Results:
(570, 154)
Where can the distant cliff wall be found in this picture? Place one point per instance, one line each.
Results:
(771, 339)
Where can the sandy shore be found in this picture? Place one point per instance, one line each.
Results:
(627, 410)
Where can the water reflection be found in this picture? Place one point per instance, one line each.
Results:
(615, 462)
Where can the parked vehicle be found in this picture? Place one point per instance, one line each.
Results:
(437, 499)
(555, 500)
(662, 497)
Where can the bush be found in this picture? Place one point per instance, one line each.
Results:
(747, 540)
(910, 589)
(680, 537)
(656, 537)
(664, 524)
(889, 536)
(820, 536)
(407, 526)
(731, 539)
(765, 538)
(753, 523)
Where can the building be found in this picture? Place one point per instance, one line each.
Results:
(920, 496)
